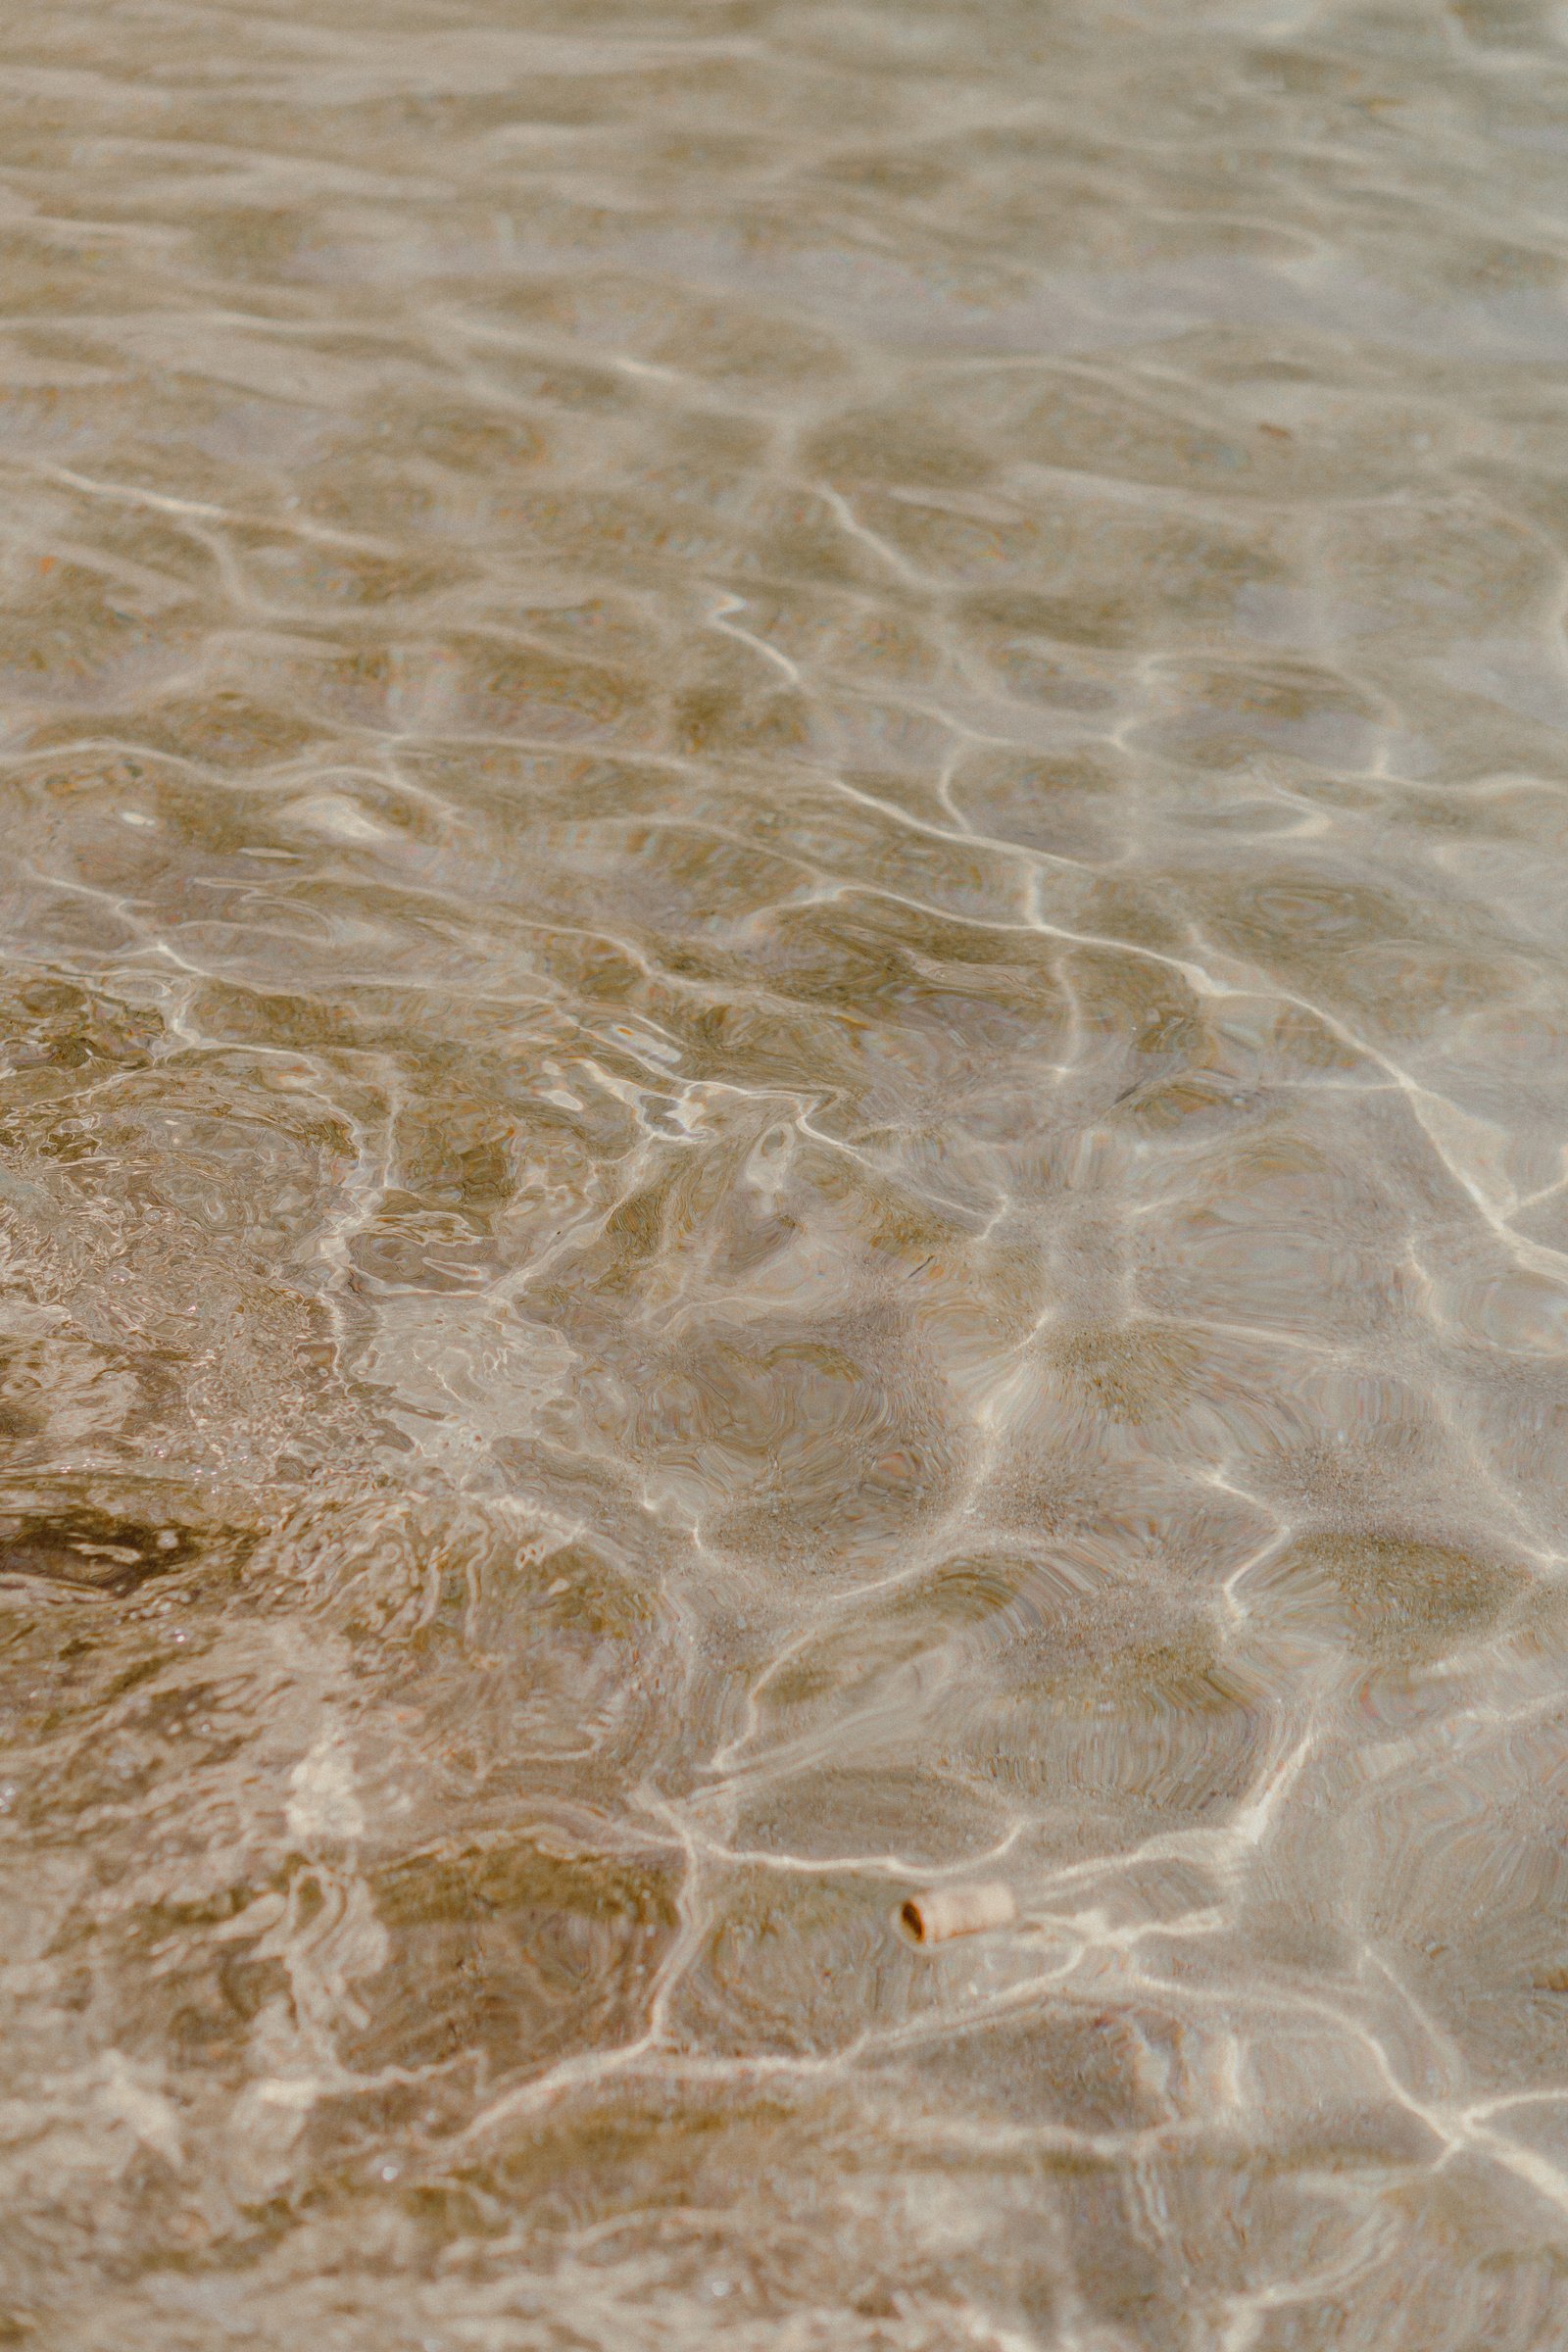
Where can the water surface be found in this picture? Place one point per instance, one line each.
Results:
(785, 829)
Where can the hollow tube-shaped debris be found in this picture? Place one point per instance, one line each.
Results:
(943, 1912)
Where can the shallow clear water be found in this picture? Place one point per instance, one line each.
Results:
(786, 815)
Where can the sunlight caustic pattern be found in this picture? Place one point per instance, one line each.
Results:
(784, 1124)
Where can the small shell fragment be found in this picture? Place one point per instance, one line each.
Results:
(946, 1911)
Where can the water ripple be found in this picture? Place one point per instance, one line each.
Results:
(783, 1129)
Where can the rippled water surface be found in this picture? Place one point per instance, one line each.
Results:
(786, 1027)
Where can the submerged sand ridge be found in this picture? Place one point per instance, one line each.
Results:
(784, 1154)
